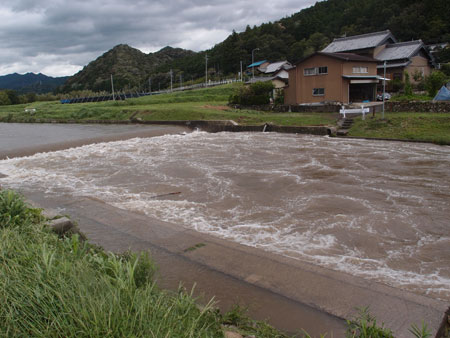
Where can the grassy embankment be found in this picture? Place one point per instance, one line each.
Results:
(63, 287)
(201, 104)
(428, 127)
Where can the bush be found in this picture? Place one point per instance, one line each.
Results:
(255, 94)
(434, 82)
(397, 85)
(14, 211)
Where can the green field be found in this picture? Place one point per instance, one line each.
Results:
(428, 127)
(201, 104)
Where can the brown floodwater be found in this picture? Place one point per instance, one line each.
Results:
(374, 209)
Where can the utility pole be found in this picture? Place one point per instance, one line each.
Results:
(150, 85)
(112, 88)
(206, 70)
(384, 88)
(181, 81)
(253, 66)
(171, 89)
(241, 71)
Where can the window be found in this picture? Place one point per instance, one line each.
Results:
(323, 70)
(309, 71)
(315, 71)
(359, 70)
(318, 91)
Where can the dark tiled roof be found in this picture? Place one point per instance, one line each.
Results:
(369, 40)
(401, 50)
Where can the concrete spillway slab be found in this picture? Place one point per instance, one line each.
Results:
(306, 289)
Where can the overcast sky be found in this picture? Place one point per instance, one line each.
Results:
(59, 37)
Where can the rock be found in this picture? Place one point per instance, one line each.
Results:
(3, 175)
(231, 334)
(61, 225)
(50, 213)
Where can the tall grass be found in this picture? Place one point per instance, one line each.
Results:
(65, 288)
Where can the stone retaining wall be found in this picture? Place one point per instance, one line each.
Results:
(418, 106)
(327, 108)
(391, 106)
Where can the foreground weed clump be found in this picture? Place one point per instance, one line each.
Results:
(365, 326)
(51, 287)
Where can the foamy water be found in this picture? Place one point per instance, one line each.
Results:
(378, 210)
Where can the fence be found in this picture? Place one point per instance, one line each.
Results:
(122, 96)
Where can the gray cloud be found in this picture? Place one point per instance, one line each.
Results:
(59, 37)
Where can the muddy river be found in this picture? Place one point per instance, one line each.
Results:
(374, 209)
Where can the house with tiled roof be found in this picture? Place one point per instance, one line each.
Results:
(411, 56)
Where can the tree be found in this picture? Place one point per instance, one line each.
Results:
(434, 82)
(317, 41)
(4, 99)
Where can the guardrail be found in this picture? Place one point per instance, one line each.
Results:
(361, 110)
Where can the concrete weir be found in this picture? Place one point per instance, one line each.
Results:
(232, 126)
(291, 294)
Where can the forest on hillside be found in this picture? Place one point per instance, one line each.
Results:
(290, 38)
(311, 29)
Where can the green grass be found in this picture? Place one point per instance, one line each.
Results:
(201, 104)
(64, 287)
(428, 127)
(413, 97)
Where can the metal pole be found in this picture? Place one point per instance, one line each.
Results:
(384, 88)
(171, 89)
(181, 81)
(206, 70)
(112, 88)
(150, 85)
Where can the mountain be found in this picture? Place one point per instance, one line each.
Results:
(30, 82)
(290, 38)
(129, 66)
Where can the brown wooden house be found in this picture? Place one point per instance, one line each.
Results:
(332, 77)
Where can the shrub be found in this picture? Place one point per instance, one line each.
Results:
(14, 211)
(255, 94)
(365, 326)
(397, 85)
(408, 87)
(434, 82)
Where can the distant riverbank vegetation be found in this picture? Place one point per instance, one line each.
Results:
(10, 97)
